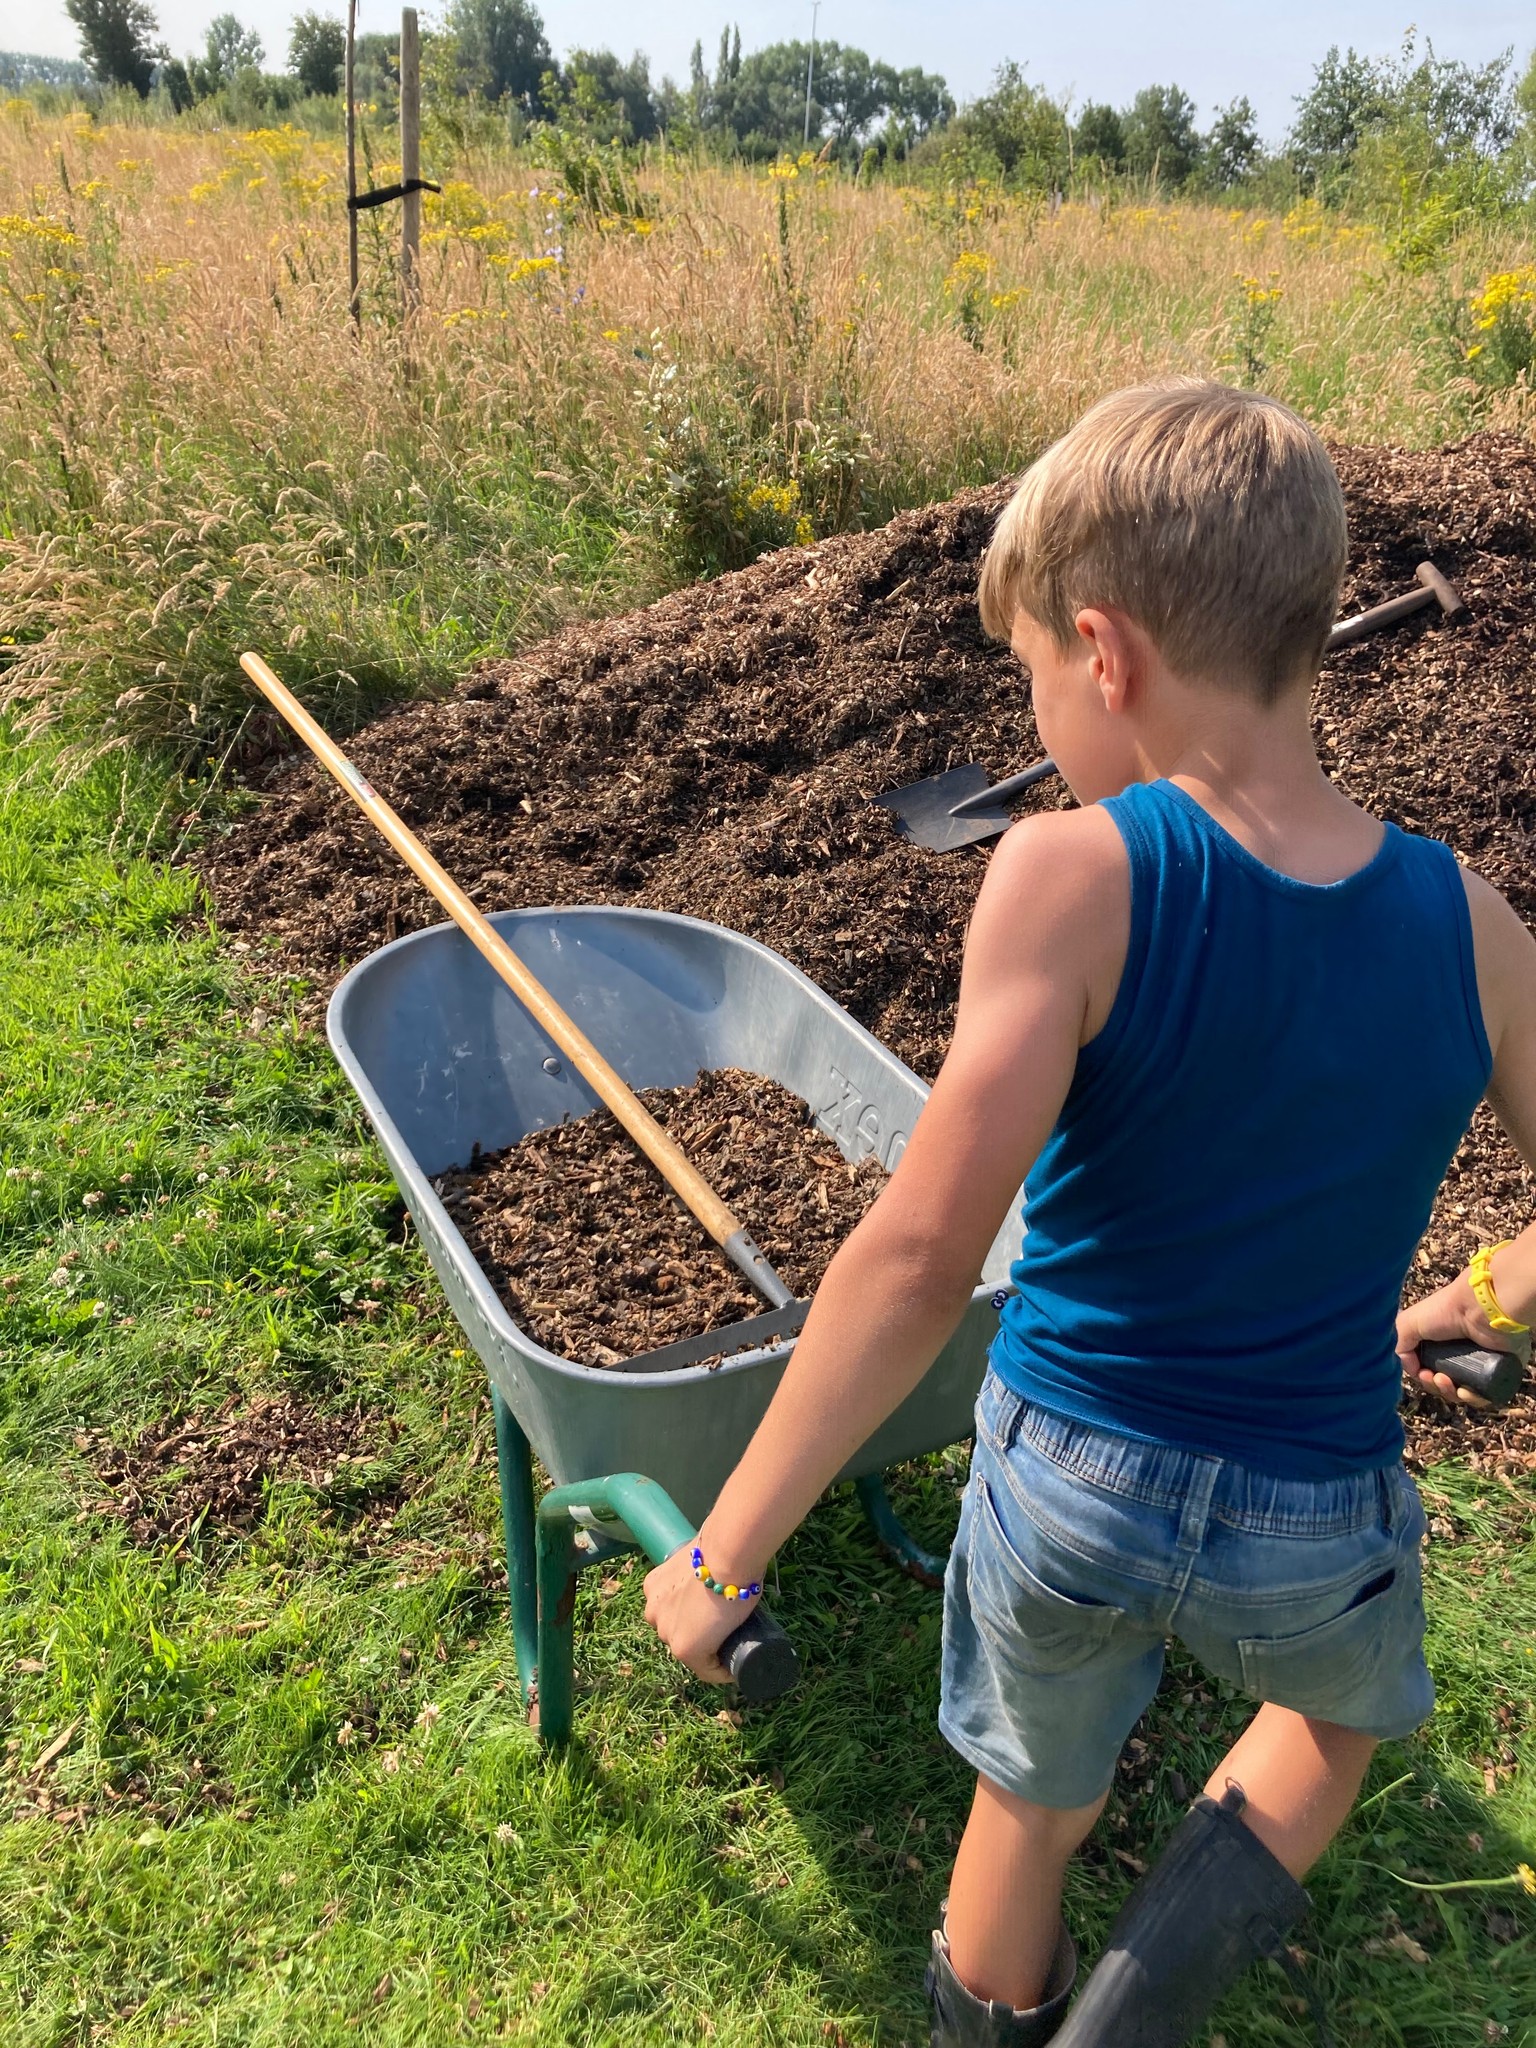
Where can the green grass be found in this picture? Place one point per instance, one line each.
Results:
(218, 1866)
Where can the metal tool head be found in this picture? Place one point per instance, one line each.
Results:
(923, 809)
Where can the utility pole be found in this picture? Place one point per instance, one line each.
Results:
(810, 71)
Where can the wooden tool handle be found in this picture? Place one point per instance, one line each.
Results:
(683, 1178)
(1450, 598)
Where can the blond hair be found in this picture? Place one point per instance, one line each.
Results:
(1211, 517)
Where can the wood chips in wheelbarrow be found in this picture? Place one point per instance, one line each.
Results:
(597, 1259)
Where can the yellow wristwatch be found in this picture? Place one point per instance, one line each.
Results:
(1481, 1278)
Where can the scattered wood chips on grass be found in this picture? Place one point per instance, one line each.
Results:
(212, 1471)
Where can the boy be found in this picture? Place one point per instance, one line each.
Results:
(1233, 1029)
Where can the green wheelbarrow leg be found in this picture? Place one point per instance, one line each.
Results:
(894, 1535)
(514, 1469)
(758, 1656)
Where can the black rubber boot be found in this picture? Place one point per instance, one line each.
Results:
(961, 2020)
(1214, 1903)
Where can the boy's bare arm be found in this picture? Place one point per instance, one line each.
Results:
(1506, 978)
(1042, 959)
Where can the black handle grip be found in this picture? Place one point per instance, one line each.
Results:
(760, 1657)
(1496, 1375)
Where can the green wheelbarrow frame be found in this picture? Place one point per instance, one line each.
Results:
(444, 1059)
(550, 1538)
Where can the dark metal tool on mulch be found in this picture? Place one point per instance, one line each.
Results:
(961, 808)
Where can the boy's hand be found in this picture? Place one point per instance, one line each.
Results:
(1450, 1313)
(692, 1621)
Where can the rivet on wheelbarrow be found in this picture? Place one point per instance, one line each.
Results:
(552, 1065)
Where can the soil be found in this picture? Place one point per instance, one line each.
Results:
(597, 1261)
(208, 1474)
(716, 754)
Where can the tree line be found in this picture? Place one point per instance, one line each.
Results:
(1412, 115)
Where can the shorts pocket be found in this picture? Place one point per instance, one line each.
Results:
(1032, 1626)
(998, 1410)
(1330, 1670)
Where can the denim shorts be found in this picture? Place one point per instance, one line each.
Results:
(1080, 1552)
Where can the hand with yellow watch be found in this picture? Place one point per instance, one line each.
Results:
(1480, 1279)
(1475, 1307)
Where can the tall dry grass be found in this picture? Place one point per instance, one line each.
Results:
(200, 454)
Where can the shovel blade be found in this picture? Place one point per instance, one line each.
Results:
(922, 809)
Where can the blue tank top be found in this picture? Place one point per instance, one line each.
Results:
(1218, 1229)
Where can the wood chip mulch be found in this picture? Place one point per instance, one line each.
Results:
(716, 754)
(597, 1260)
(209, 1473)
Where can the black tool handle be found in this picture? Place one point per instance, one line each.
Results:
(1003, 792)
(1496, 1375)
(760, 1657)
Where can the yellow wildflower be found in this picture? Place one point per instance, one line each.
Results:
(1507, 291)
(43, 228)
(458, 208)
(532, 266)
(1305, 222)
(969, 270)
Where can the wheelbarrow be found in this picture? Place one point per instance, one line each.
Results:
(444, 1058)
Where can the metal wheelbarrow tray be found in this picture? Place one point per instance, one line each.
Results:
(443, 1058)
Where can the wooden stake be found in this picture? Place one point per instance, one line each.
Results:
(410, 163)
(355, 300)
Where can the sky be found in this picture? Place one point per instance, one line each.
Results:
(1094, 49)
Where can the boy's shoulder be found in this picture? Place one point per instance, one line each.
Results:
(1063, 856)
(1505, 954)
(1056, 902)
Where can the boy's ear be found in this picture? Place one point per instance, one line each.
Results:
(1113, 649)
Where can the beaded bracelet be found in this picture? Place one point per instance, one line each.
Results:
(701, 1573)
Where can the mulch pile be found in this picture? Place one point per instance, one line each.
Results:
(597, 1261)
(208, 1474)
(716, 753)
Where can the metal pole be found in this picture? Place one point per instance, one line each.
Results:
(354, 299)
(410, 162)
(515, 1475)
(810, 72)
(757, 1655)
